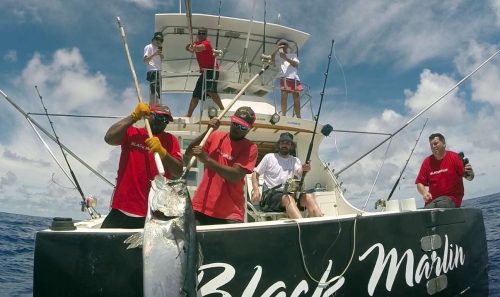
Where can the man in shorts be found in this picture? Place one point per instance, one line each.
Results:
(152, 58)
(208, 69)
(288, 63)
(277, 168)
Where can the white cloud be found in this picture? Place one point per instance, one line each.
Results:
(495, 4)
(433, 86)
(485, 82)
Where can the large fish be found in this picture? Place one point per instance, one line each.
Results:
(169, 252)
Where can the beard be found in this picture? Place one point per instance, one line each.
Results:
(284, 151)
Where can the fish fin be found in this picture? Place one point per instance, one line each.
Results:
(134, 240)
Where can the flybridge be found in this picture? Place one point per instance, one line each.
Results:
(180, 70)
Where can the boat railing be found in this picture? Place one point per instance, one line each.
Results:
(264, 87)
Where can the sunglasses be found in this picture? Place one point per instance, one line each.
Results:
(160, 118)
(241, 127)
(202, 33)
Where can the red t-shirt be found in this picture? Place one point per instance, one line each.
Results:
(443, 177)
(137, 168)
(205, 58)
(217, 197)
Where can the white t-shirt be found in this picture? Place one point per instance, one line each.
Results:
(287, 70)
(277, 169)
(155, 62)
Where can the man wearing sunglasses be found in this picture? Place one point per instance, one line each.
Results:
(208, 66)
(137, 167)
(152, 58)
(227, 157)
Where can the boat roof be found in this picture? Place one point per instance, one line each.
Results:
(180, 68)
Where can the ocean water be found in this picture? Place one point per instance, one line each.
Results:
(17, 233)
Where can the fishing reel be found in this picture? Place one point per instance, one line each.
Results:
(265, 58)
(465, 161)
(380, 203)
(218, 53)
(291, 185)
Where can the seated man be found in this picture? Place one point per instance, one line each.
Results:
(277, 168)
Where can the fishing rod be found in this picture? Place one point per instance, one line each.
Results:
(244, 62)
(51, 153)
(32, 120)
(419, 114)
(264, 35)
(217, 52)
(265, 58)
(309, 151)
(407, 160)
(189, 17)
(92, 212)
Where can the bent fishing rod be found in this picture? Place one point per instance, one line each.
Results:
(407, 160)
(30, 119)
(311, 144)
(419, 114)
(92, 212)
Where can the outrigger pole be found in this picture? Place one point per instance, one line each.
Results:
(309, 151)
(31, 120)
(419, 114)
(92, 212)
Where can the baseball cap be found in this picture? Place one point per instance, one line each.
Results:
(158, 35)
(286, 137)
(282, 41)
(162, 110)
(244, 116)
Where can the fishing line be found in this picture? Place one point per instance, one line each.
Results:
(420, 113)
(335, 278)
(92, 212)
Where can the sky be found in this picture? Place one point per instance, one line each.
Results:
(391, 60)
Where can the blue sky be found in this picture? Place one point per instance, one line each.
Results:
(397, 57)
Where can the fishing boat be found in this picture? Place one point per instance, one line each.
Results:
(397, 251)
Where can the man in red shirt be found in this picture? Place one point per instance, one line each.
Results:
(208, 66)
(442, 173)
(137, 167)
(227, 157)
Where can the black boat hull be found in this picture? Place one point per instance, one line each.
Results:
(381, 254)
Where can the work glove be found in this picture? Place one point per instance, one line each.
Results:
(141, 109)
(155, 146)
